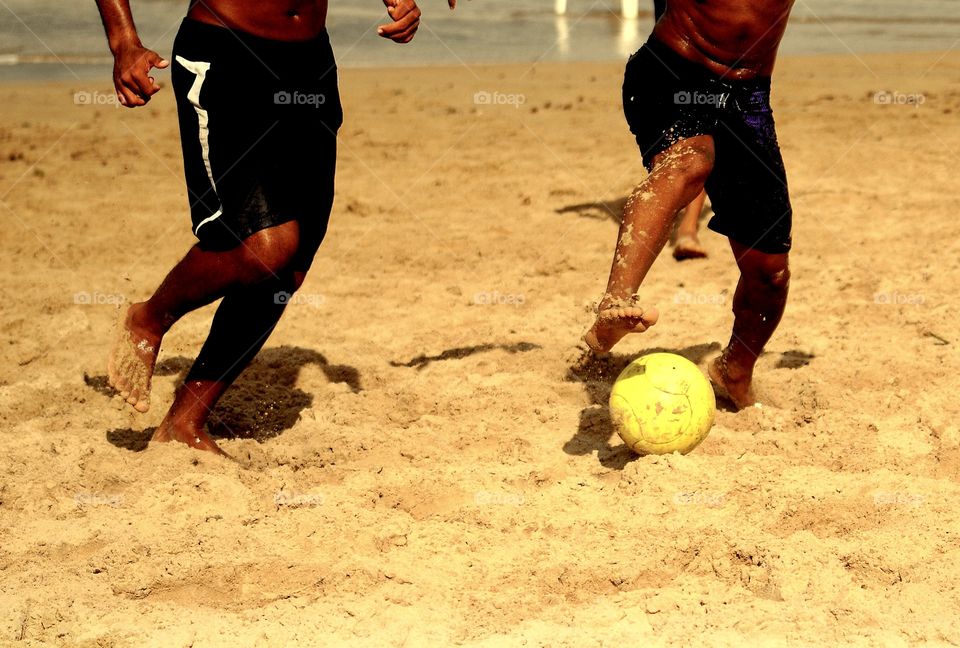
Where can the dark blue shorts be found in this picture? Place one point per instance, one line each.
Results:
(667, 99)
(258, 124)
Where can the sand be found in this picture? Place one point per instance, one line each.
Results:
(417, 463)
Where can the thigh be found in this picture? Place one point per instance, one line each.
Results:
(660, 89)
(748, 187)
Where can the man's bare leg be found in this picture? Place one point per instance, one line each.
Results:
(688, 244)
(200, 278)
(757, 306)
(678, 175)
(242, 324)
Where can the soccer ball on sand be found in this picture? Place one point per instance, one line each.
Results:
(662, 403)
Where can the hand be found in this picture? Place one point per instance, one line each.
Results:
(131, 74)
(406, 20)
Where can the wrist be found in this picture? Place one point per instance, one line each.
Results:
(124, 41)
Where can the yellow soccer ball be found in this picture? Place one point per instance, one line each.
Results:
(662, 403)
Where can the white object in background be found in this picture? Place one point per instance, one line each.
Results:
(629, 9)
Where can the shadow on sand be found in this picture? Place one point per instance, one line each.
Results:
(261, 404)
(598, 374)
(423, 361)
(596, 429)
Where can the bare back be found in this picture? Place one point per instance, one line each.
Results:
(286, 20)
(734, 38)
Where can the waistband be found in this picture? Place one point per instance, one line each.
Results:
(688, 70)
(219, 36)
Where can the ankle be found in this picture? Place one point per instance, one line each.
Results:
(180, 422)
(737, 366)
(610, 300)
(144, 316)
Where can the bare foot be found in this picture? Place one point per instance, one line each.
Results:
(195, 437)
(617, 320)
(729, 383)
(688, 247)
(132, 358)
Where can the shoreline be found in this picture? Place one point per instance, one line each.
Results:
(103, 68)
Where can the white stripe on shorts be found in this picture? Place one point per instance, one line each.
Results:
(200, 68)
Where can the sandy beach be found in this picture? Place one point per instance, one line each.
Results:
(417, 461)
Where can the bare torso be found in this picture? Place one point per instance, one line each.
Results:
(734, 38)
(287, 20)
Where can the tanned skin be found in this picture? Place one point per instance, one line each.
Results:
(286, 20)
(237, 276)
(737, 40)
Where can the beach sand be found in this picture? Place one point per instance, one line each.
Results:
(417, 462)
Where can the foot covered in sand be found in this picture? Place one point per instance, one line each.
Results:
(731, 382)
(195, 437)
(688, 247)
(616, 320)
(132, 359)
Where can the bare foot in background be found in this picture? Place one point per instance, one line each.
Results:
(688, 247)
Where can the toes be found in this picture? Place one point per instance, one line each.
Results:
(142, 406)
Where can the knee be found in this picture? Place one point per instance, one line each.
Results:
(696, 168)
(269, 252)
(693, 163)
(299, 276)
(773, 274)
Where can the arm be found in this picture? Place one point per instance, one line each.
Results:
(132, 62)
(406, 20)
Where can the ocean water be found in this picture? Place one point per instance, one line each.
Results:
(48, 39)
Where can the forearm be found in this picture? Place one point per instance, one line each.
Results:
(118, 23)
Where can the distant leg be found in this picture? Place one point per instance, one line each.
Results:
(757, 307)
(678, 175)
(688, 244)
(200, 278)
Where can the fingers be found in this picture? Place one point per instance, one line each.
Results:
(134, 83)
(128, 95)
(406, 20)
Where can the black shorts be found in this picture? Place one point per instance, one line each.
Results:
(667, 98)
(258, 123)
